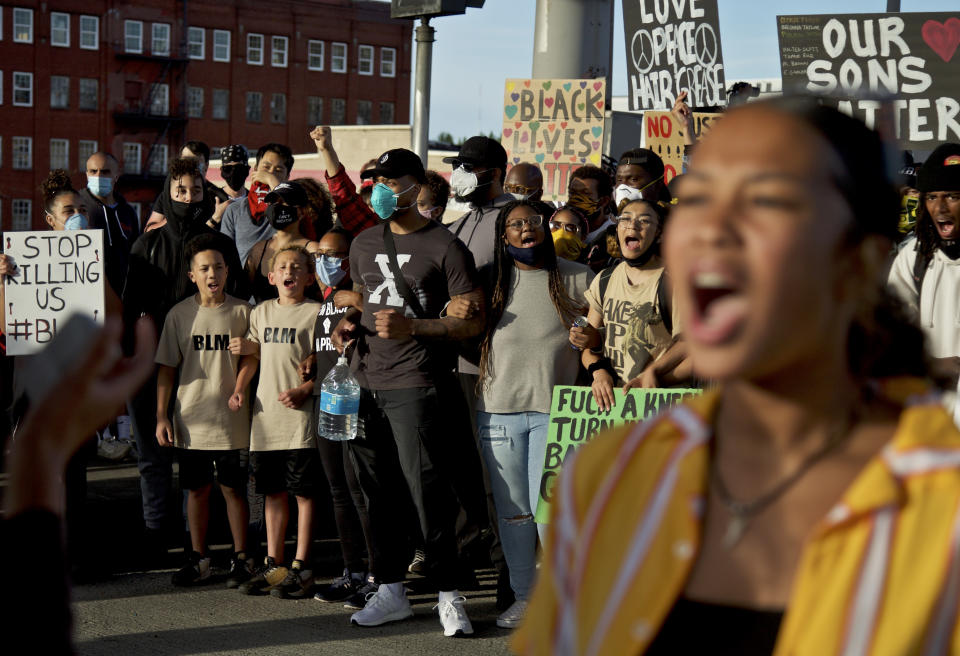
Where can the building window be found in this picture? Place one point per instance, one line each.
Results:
(195, 45)
(88, 93)
(255, 49)
(85, 148)
(338, 111)
(160, 99)
(221, 101)
(89, 32)
(195, 102)
(131, 158)
(22, 213)
(59, 29)
(59, 92)
(59, 154)
(388, 62)
(22, 25)
(387, 116)
(221, 46)
(133, 36)
(364, 112)
(365, 61)
(315, 55)
(23, 153)
(278, 51)
(22, 89)
(254, 106)
(157, 162)
(160, 41)
(278, 108)
(338, 57)
(314, 110)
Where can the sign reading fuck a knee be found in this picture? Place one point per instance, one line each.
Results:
(901, 70)
(575, 419)
(673, 46)
(58, 274)
(556, 125)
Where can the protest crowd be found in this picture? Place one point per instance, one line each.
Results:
(752, 275)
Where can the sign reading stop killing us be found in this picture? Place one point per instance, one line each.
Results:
(556, 125)
(673, 46)
(859, 60)
(575, 420)
(58, 274)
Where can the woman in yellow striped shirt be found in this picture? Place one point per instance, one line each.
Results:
(810, 504)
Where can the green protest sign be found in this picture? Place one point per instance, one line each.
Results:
(575, 419)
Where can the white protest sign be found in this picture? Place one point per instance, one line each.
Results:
(58, 274)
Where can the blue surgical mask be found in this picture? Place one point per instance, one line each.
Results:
(330, 270)
(76, 222)
(100, 185)
(384, 201)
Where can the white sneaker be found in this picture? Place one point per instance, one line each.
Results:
(383, 606)
(511, 618)
(453, 617)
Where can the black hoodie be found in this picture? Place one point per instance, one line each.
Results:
(157, 278)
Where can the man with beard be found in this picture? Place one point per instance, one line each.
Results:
(926, 272)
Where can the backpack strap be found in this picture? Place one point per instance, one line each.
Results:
(398, 279)
(920, 266)
(663, 301)
(605, 281)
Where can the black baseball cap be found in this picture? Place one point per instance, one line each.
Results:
(648, 160)
(397, 163)
(480, 151)
(235, 154)
(941, 171)
(290, 193)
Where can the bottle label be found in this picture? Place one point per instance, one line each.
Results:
(339, 404)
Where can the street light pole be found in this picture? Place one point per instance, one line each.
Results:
(893, 5)
(421, 91)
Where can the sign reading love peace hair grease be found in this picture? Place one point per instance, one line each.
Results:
(911, 57)
(555, 124)
(662, 135)
(673, 46)
(58, 273)
(575, 419)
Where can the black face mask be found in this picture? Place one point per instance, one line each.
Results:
(235, 175)
(280, 216)
(185, 213)
(529, 256)
(641, 259)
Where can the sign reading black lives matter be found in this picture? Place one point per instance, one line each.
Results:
(673, 46)
(58, 274)
(910, 57)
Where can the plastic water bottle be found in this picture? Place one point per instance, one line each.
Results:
(339, 403)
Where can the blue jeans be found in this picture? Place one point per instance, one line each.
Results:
(513, 447)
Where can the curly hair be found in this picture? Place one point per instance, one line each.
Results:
(319, 210)
(439, 188)
(57, 182)
(182, 166)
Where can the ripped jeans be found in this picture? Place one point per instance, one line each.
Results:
(513, 447)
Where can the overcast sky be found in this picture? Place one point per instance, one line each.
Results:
(475, 53)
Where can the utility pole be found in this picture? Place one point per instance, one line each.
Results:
(421, 89)
(893, 5)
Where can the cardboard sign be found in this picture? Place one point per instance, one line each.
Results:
(912, 59)
(59, 273)
(555, 124)
(673, 46)
(575, 420)
(662, 137)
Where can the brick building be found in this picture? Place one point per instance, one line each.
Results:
(138, 78)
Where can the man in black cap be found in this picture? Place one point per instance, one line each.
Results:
(640, 170)
(926, 272)
(408, 269)
(234, 169)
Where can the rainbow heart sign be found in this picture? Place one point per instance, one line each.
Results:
(556, 125)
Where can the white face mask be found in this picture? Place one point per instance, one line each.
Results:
(463, 182)
(520, 196)
(624, 192)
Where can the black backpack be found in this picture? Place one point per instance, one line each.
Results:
(663, 295)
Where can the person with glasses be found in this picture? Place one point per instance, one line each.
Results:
(568, 228)
(524, 182)
(534, 297)
(633, 334)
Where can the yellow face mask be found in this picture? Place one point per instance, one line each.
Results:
(908, 213)
(568, 245)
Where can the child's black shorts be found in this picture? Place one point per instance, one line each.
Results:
(197, 466)
(297, 471)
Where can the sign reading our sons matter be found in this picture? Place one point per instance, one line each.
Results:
(58, 274)
(555, 124)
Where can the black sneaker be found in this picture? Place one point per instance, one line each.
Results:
(340, 588)
(241, 570)
(358, 600)
(196, 570)
(265, 578)
(419, 563)
(296, 585)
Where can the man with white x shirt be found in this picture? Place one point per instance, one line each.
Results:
(406, 358)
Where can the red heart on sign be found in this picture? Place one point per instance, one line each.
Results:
(552, 127)
(539, 144)
(600, 104)
(563, 125)
(943, 38)
(597, 85)
(548, 102)
(557, 154)
(573, 158)
(518, 125)
(526, 83)
(507, 132)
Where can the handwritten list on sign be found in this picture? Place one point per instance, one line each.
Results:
(555, 124)
(58, 274)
